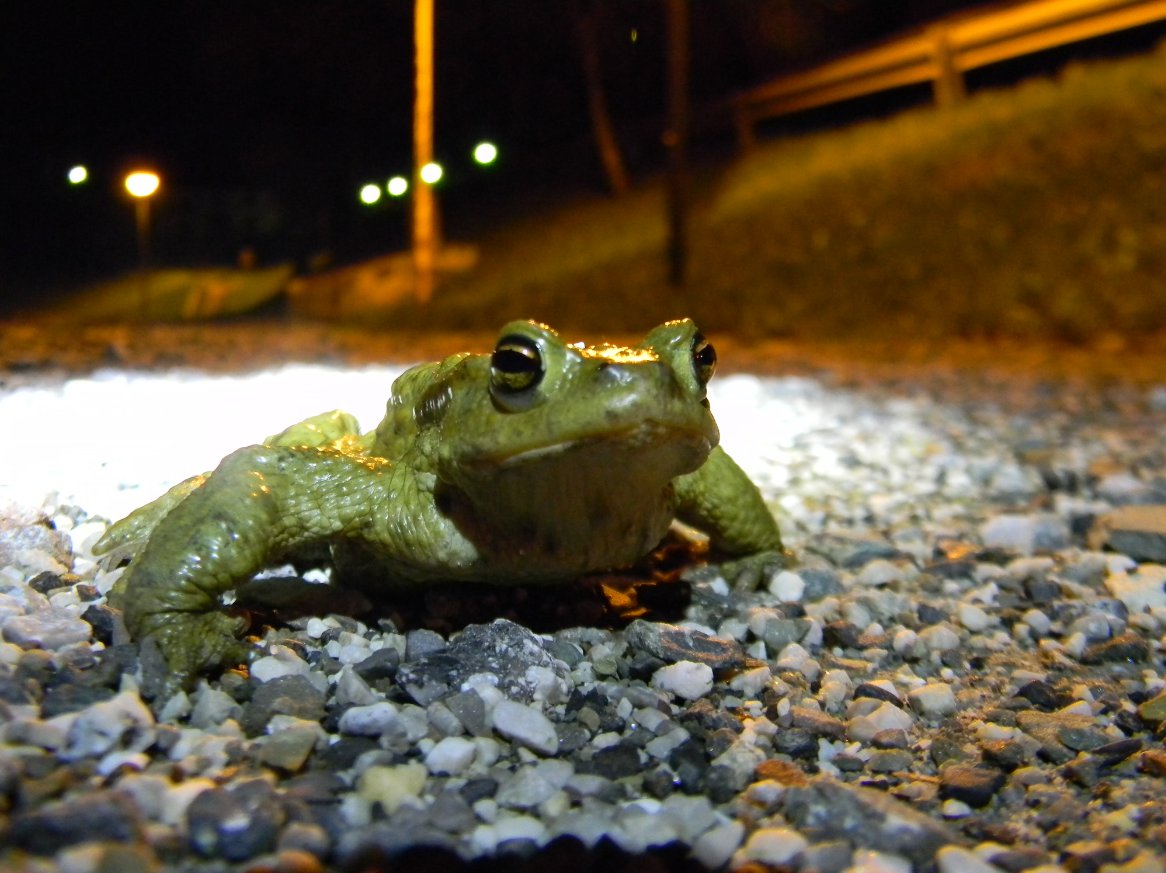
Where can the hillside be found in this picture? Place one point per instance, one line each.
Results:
(1039, 209)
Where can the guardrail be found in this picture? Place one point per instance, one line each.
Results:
(941, 54)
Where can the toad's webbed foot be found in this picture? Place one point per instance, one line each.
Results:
(196, 643)
(751, 571)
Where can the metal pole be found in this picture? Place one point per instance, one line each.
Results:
(424, 205)
(142, 219)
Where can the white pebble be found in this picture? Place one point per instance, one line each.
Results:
(880, 572)
(751, 682)
(886, 717)
(715, 846)
(972, 617)
(933, 699)
(787, 587)
(774, 846)
(392, 787)
(1038, 621)
(686, 679)
(792, 657)
(526, 726)
(939, 638)
(451, 756)
(519, 827)
(905, 642)
(368, 721)
(282, 661)
(1145, 589)
(46, 630)
(99, 728)
(955, 859)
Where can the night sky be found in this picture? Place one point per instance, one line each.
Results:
(264, 116)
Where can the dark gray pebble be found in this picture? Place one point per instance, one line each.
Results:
(670, 644)
(890, 760)
(381, 664)
(660, 782)
(506, 649)
(1041, 590)
(49, 828)
(817, 723)
(929, 614)
(877, 692)
(235, 823)
(421, 642)
(892, 738)
(60, 699)
(1081, 739)
(689, 763)
(840, 634)
(284, 695)
(797, 743)
(478, 788)
(613, 762)
(827, 809)
(722, 783)
(1126, 647)
(1006, 754)
(451, 812)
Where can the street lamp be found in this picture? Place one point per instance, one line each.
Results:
(142, 185)
(485, 153)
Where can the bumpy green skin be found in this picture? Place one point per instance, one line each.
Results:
(533, 466)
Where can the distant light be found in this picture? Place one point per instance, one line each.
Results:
(370, 194)
(78, 175)
(431, 173)
(635, 35)
(142, 183)
(485, 153)
(397, 186)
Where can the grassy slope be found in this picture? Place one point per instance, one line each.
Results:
(1040, 209)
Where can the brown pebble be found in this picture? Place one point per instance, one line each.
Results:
(781, 771)
(1153, 761)
(296, 861)
(1154, 709)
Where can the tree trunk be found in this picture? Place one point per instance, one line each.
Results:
(586, 16)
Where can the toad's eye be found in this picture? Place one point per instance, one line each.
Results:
(516, 365)
(704, 358)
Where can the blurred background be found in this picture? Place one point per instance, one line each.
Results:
(604, 164)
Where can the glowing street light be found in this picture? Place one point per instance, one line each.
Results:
(431, 173)
(485, 153)
(370, 194)
(397, 186)
(142, 185)
(78, 175)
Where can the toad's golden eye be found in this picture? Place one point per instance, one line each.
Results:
(516, 365)
(704, 358)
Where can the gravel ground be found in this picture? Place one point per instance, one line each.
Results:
(964, 670)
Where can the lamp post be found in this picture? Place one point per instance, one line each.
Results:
(142, 185)
(426, 235)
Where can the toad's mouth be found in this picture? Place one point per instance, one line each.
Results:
(643, 441)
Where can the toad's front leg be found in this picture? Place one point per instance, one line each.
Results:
(262, 503)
